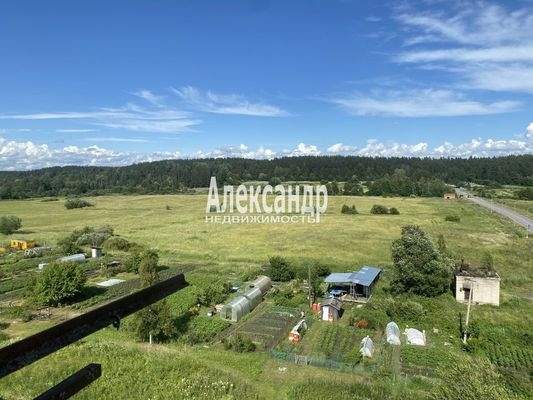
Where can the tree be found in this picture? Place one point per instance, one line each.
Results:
(280, 269)
(420, 268)
(56, 284)
(153, 321)
(487, 261)
(10, 224)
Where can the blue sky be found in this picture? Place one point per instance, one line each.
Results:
(119, 82)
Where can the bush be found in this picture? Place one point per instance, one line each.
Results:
(394, 211)
(405, 310)
(10, 224)
(349, 210)
(77, 203)
(119, 244)
(58, 283)
(379, 209)
(239, 343)
(280, 269)
(452, 218)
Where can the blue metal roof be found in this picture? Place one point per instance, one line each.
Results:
(364, 277)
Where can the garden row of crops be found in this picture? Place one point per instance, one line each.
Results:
(510, 356)
(271, 326)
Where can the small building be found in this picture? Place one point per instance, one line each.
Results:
(96, 252)
(20, 244)
(449, 196)
(481, 287)
(331, 309)
(353, 286)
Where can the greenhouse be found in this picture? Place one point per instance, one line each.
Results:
(414, 336)
(393, 333)
(236, 308)
(367, 347)
(255, 296)
(263, 283)
(243, 304)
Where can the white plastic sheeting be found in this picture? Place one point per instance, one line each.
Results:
(367, 347)
(414, 336)
(393, 333)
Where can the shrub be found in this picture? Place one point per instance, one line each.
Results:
(452, 218)
(77, 203)
(118, 243)
(239, 343)
(394, 211)
(379, 209)
(349, 210)
(58, 283)
(10, 224)
(280, 269)
(405, 310)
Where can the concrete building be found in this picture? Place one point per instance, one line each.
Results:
(484, 288)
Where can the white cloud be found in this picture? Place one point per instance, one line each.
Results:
(302, 150)
(226, 104)
(75, 130)
(420, 103)
(130, 117)
(149, 97)
(341, 149)
(484, 46)
(28, 155)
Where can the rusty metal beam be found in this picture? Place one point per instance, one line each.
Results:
(32, 348)
(73, 384)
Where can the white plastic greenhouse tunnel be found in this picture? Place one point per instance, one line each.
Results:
(393, 333)
(367, 347)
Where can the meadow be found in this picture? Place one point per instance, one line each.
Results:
(175, 226)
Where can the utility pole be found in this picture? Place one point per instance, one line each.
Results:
(309, 284)
(468, 311)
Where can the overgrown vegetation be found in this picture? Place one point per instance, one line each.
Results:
(77, 203)
(10, 224)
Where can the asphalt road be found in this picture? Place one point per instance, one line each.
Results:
(520, 219)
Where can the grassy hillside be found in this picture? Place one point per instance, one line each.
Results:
(175, 226)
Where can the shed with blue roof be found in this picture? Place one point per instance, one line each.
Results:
(353, 286)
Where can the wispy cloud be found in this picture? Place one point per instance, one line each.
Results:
(483, 45)
(75, 130)
(116, 139)
(226, 104)
(130, 117)
(420, 103)
(149, 96)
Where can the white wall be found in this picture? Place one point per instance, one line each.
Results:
(485, 290)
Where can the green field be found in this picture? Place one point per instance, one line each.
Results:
(175, 226)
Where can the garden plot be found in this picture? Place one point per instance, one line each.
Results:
(270, 326)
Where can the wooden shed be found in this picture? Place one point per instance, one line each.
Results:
(331, 309)
(20, 244)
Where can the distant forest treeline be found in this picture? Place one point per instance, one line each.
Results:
(401, 176)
